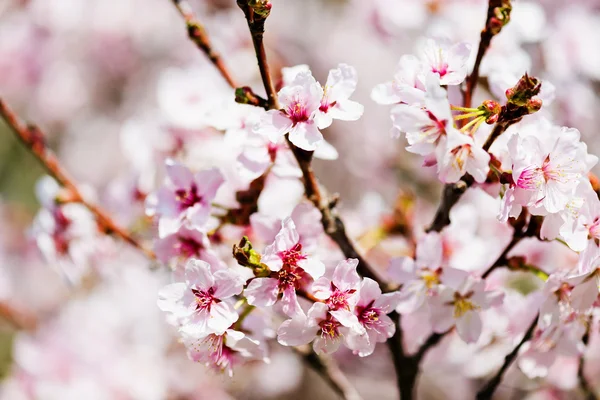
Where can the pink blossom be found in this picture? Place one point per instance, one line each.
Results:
(341, 291)
(336, 103)
(371, 310)
(547, 172)
(198, 301)
(290, 270)
(300, 103)
(447, 60)
(327, 328)
(186, 196)
(420, 278)
(425, 127)
(408, 85)
(223, 350)
(462, 155)
(186, 243)
(460, 300)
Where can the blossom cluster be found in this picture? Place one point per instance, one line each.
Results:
(235, 250)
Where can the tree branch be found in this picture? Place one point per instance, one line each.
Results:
(198, 35)
(498, 15)
(488, 390)
(331, 372)
(33, 139)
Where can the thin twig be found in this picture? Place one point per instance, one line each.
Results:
(488, 390)
(492, 27)
(588, 390)
(198, 35)
(331, 372)
(33, 139)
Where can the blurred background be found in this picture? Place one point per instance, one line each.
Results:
(105, 80)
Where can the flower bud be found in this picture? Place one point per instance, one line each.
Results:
(526, 88)
(492, 110)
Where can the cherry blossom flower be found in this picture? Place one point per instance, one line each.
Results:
(290, 270)
(341, 291)
(459, 302)
(198, 301)
(462, 155)
(300, 103)
(554, 336)
(327, 328)
(425, 127)
(186, 196)
(306, 218)
(223, 350)
(406, 87)
(547, 172)
(336, 103)
(371, 310)
(420, 278)
(186, 243)
(447, 60)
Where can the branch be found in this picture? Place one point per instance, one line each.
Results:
(588, 391)
(198, 35)
(330, 371)
(498, 15)
(33, 139)
(488, 390)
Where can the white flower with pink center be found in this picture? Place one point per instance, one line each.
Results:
(224, 350)
(336, 103)
(185, 243)
(462, 155)
(341, 291)
(199, 300)
(300, 103)
(449, 61)
(327, 328)
(546, 172)
(459, 301)
(371, 310)
(556, 337)
(420, 278)
(425, 127)
(185, 196)
(408, 85)
(291, 269)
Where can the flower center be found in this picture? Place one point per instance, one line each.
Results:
(431, 278)
(189, 247)
(204, 299)
(187, 197)
(339, 299)
(368, 316)
(297, 112)
(329, 328)
(462, 305)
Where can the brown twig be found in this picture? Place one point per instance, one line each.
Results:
(331, 372)
(488, 390)
(497, 16)
(587, 389)
(198, 35)
(33, 139)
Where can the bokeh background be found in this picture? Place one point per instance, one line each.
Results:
(104, 79)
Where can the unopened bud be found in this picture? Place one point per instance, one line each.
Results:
(516, 262)
(534, 105)
(246, 256)
(526, 88)
(261, 7)
(245, 95)
(492, 111)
